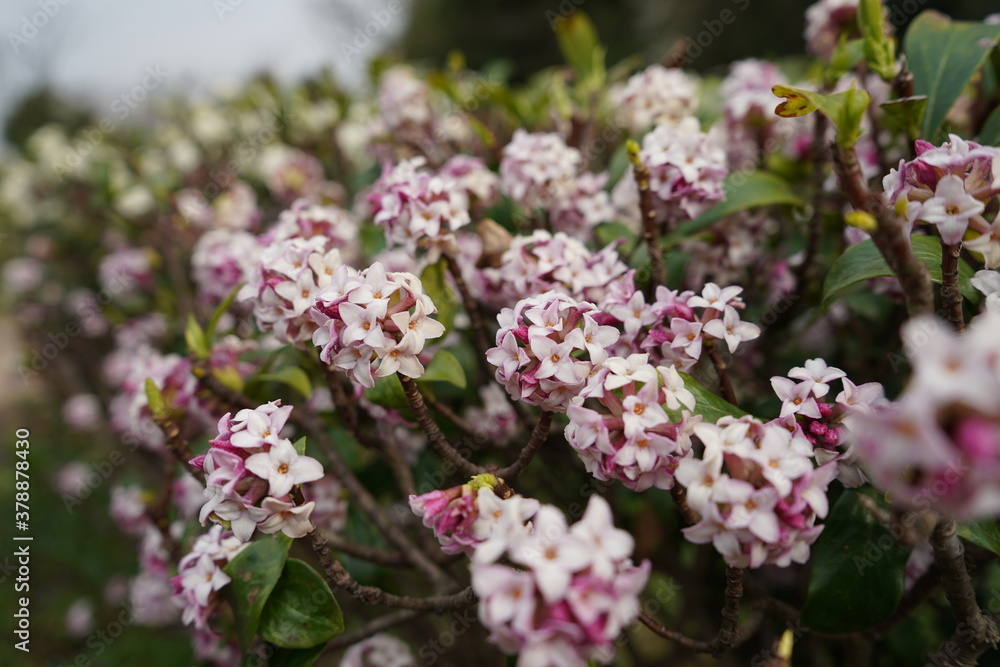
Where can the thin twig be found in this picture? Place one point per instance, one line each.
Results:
(365, 552)
(480, 338)
(726, 636)
(372, 627)
(450, 415)
(976, 632)
(658, 270)
(688, 515)
(434, 434)
(538, 436)
(725, 383)
(951, 296)
(888, 235)
(341, 578)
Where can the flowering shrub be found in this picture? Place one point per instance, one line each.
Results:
(571, 357)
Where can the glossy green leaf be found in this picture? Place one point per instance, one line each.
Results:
(858, 569)
(579, 43)
(388, 392)
(301, 612)
(154, 397)
(708, 405)
(985, 533)
(845, 110)
(300, 445)
(863, 261)
(433, 279)
(292, 376)
(904, 114)
(743, 190)
(295, 657)
(444, 367)
(254, 572)
(195, 338)
(213, 323)
(990, 134)
(943, 56)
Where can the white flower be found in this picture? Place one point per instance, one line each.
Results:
(283, 468)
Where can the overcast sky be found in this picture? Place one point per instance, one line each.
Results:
(100, 49)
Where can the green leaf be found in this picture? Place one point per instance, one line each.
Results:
(157, 404)
(293, 376)
(436, 287)
(845, 109)
(578, 42)
(444, 367)
(220, 311)
(985, 533)
(845, 56)
(863, 261)
(610, 232)
(708, 405)
(904, 114)
(300, 445)
(195, 338)
(301, 612)
(254, 571)
(943, 56)
(295, 657)
(388, 392)
(858, 569)
(990, 134)
(743, 190)
(880, 50)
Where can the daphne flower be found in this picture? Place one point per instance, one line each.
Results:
(283, 468)
(950, 209)
(292, 520)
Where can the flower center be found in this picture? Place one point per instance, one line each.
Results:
(283, 469)
(639, 408)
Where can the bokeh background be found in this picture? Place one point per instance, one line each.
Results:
(88, 53)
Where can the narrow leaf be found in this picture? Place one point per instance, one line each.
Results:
(943, 56)
(388, 392)
(863, 261)
(708, 405)
(985, 533)
(845, 109)
(195, 338)
(292, 376)
(157, 404)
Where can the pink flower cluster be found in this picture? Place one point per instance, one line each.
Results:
(756, 491)
(235, 208)
(571, 592)
(290, 174)
(374, 316)
(938, 445)
(950, 186)
(284, 285)
(806, 412)
(250, 471)
(537, 169)
(465, 517)
(686, 171)
(306, 219)
(544, 261)
(221, 260)
(752, 128)
(417, 207)
(473, 176)
(583, 206)
(657, 95)
(200, 576)
(672, 330)
(628, 434)
(547, 348)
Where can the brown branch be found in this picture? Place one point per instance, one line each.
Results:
(976, 632)
(688, 515)
(888, 235)
(921, 591)
(951, 296)
(725, 383)
(365, 552)
(178, 446)
(372, 627)
(341, 578)
(658, 270)
(726, 636)
(538, 437)
(450, 415)
(434, 434)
